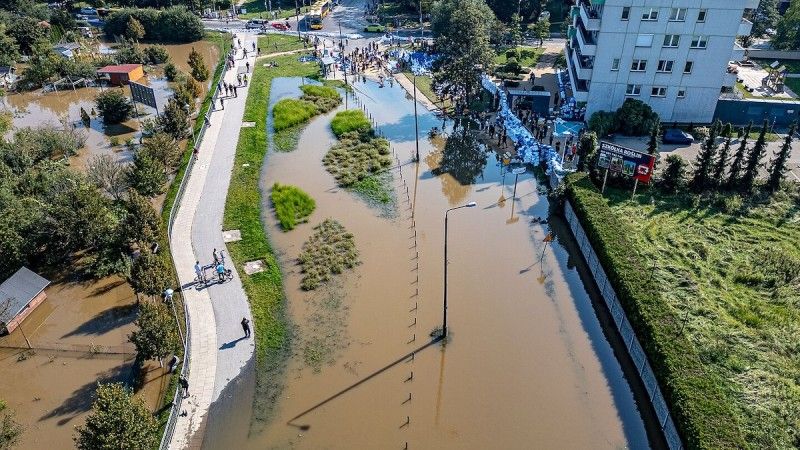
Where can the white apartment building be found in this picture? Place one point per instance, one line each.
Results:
(671, 54)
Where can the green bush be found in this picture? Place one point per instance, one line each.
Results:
(635, 118)
(290, 112)
(292, 205)
(351, 120)
(156, 54)
(674, 177)
(113, 106)
(324, 97)
(513, 66)
(602, 123)
(170, 71)
(703, 411)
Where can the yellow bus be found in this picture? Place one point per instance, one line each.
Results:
(319, 10)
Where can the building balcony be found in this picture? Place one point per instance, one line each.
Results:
(580, 88)
(745, 27)
(586, 41)
(583, 64)
(737, 54)
(590, 15)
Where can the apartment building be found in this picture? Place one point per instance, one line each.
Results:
(671, 54)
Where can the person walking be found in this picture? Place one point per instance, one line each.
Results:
(246, 327)
(198, 271)
(235, 94)
(184, 386)
(215, 256)
(247, 64)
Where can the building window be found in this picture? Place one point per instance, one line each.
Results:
(658, 91)
(615, 64)
(687, 68)
(633, 89)
(672, 40)
(701, 16)
(650, 14)
(665, 66)
(644, 40)
(626, 12)
(639, 65)
(699, 42)
(677, 14)
(681, 92)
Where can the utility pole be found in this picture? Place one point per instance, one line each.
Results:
(297, 16)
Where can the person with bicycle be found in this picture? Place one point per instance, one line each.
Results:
(221, 272)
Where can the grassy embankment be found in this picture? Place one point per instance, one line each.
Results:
(291, 115)
(359, 160)
(425, 87)
(223, 43)
(292, 205)
(720, 317)
(730, 272)
(243, 212)
(278, 43)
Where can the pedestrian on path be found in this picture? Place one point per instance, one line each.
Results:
(198, 271)
(245, 79)
(216, 257)
(247, 64)
(184, 386)
(221, 103)
(221, 272)
(235, 94)
(246, 327)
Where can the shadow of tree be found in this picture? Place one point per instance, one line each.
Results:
(81, 399)
(105, 321)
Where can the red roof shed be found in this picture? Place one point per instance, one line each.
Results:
(123, 73)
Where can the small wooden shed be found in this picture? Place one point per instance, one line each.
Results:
(20, 294)
(121, 74)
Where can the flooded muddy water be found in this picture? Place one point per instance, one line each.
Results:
(37, 108)
(79, 336)
(526, 364)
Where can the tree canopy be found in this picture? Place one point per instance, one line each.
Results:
(118, 420)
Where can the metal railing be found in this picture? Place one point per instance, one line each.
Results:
(177, 400)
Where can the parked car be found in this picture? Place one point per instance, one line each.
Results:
(375, 28)
(677, 136)
(279, 26)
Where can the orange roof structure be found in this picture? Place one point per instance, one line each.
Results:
(121, 68)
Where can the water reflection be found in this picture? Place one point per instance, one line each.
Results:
(463, 158)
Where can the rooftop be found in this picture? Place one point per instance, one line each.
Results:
(19, 290)
(121, 68)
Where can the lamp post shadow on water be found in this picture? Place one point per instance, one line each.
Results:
(444, 306)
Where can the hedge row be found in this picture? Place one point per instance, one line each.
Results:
(175, 24)
(702, 410)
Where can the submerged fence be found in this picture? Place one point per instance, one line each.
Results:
(632, 344)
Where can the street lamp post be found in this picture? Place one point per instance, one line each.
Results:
(416, 120)
(444, 308)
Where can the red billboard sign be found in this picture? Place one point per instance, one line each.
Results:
(626, 161)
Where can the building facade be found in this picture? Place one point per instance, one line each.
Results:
(671, 54)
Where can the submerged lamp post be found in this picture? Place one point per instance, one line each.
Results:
(444, 308)
(416, 120)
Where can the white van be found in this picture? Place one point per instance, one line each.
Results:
(256, 24)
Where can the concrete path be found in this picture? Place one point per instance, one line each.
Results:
(216, 352)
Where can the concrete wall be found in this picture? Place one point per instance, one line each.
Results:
(740, 112)
(772, 54)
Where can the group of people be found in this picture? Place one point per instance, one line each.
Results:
(218, 265)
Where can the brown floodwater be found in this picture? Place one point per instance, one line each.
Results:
(79, 336)
(526, 364)
(37, 108)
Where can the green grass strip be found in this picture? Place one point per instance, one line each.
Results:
(243, 212)
(349, 121)
(701, 406)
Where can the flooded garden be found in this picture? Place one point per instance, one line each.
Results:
(527, 357)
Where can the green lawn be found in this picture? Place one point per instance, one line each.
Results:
(793, 84)
(243, 212)
(732, 275)
(277, 43)
(425, 87)
(529, 56)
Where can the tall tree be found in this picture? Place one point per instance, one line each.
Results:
(674, 176)
(118, 420)
(9, 50)
(135, 30)
(722, 162)
(147, 175)
(149, 274)
(778, 169)
(738, 158)
(163, 148)
(141, 222)
(541, 30)
(175, 120)
(754, 159)
(461, 29)
(652, 144)
(515, 30)
(114, 106)
(156, 337)
(765, 17)
(787, 32)
(198, 65)
(108, 175)
(705, 160)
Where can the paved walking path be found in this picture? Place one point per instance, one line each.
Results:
(217, 354)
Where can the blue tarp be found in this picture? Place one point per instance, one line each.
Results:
(529, 150)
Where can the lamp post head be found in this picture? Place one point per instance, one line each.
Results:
(471, 205)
